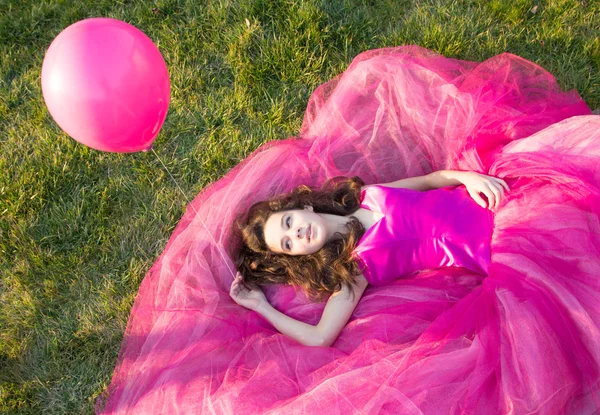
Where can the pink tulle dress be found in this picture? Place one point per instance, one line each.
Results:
(521, 338)
(423, 230)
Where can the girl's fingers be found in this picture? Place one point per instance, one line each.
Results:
(490, 196)
(497, 196)
(238, 293)
(492, 187)
(502, 183)
(235, 287)
(477, 198)
(501, 190)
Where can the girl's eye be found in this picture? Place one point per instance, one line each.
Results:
(288, 245)
(287, 222)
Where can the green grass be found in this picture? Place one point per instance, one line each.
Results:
(80, 228)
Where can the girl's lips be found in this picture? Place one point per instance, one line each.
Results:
(309, 232)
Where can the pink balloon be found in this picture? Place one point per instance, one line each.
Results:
(106, 85)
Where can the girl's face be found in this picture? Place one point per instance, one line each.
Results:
(296, 232)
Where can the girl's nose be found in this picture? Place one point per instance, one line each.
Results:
(299, 233)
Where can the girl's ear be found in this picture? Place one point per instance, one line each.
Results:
(308, 207)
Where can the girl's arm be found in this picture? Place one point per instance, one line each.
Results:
(434, 180)
(336, 314)
(476, 183)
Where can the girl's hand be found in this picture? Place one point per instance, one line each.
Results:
(492, 187)
(245, 296)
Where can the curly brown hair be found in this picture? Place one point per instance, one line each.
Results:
(319, 274)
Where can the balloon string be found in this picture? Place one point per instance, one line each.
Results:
(202, 220)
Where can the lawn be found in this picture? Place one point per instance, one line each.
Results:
(80, 228)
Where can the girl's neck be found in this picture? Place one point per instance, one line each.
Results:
(335, 224)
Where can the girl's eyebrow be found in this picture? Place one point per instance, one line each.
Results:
(282, 216)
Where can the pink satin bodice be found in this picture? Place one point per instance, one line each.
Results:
(423, 230)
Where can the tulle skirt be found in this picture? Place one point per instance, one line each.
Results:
(523, 339)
